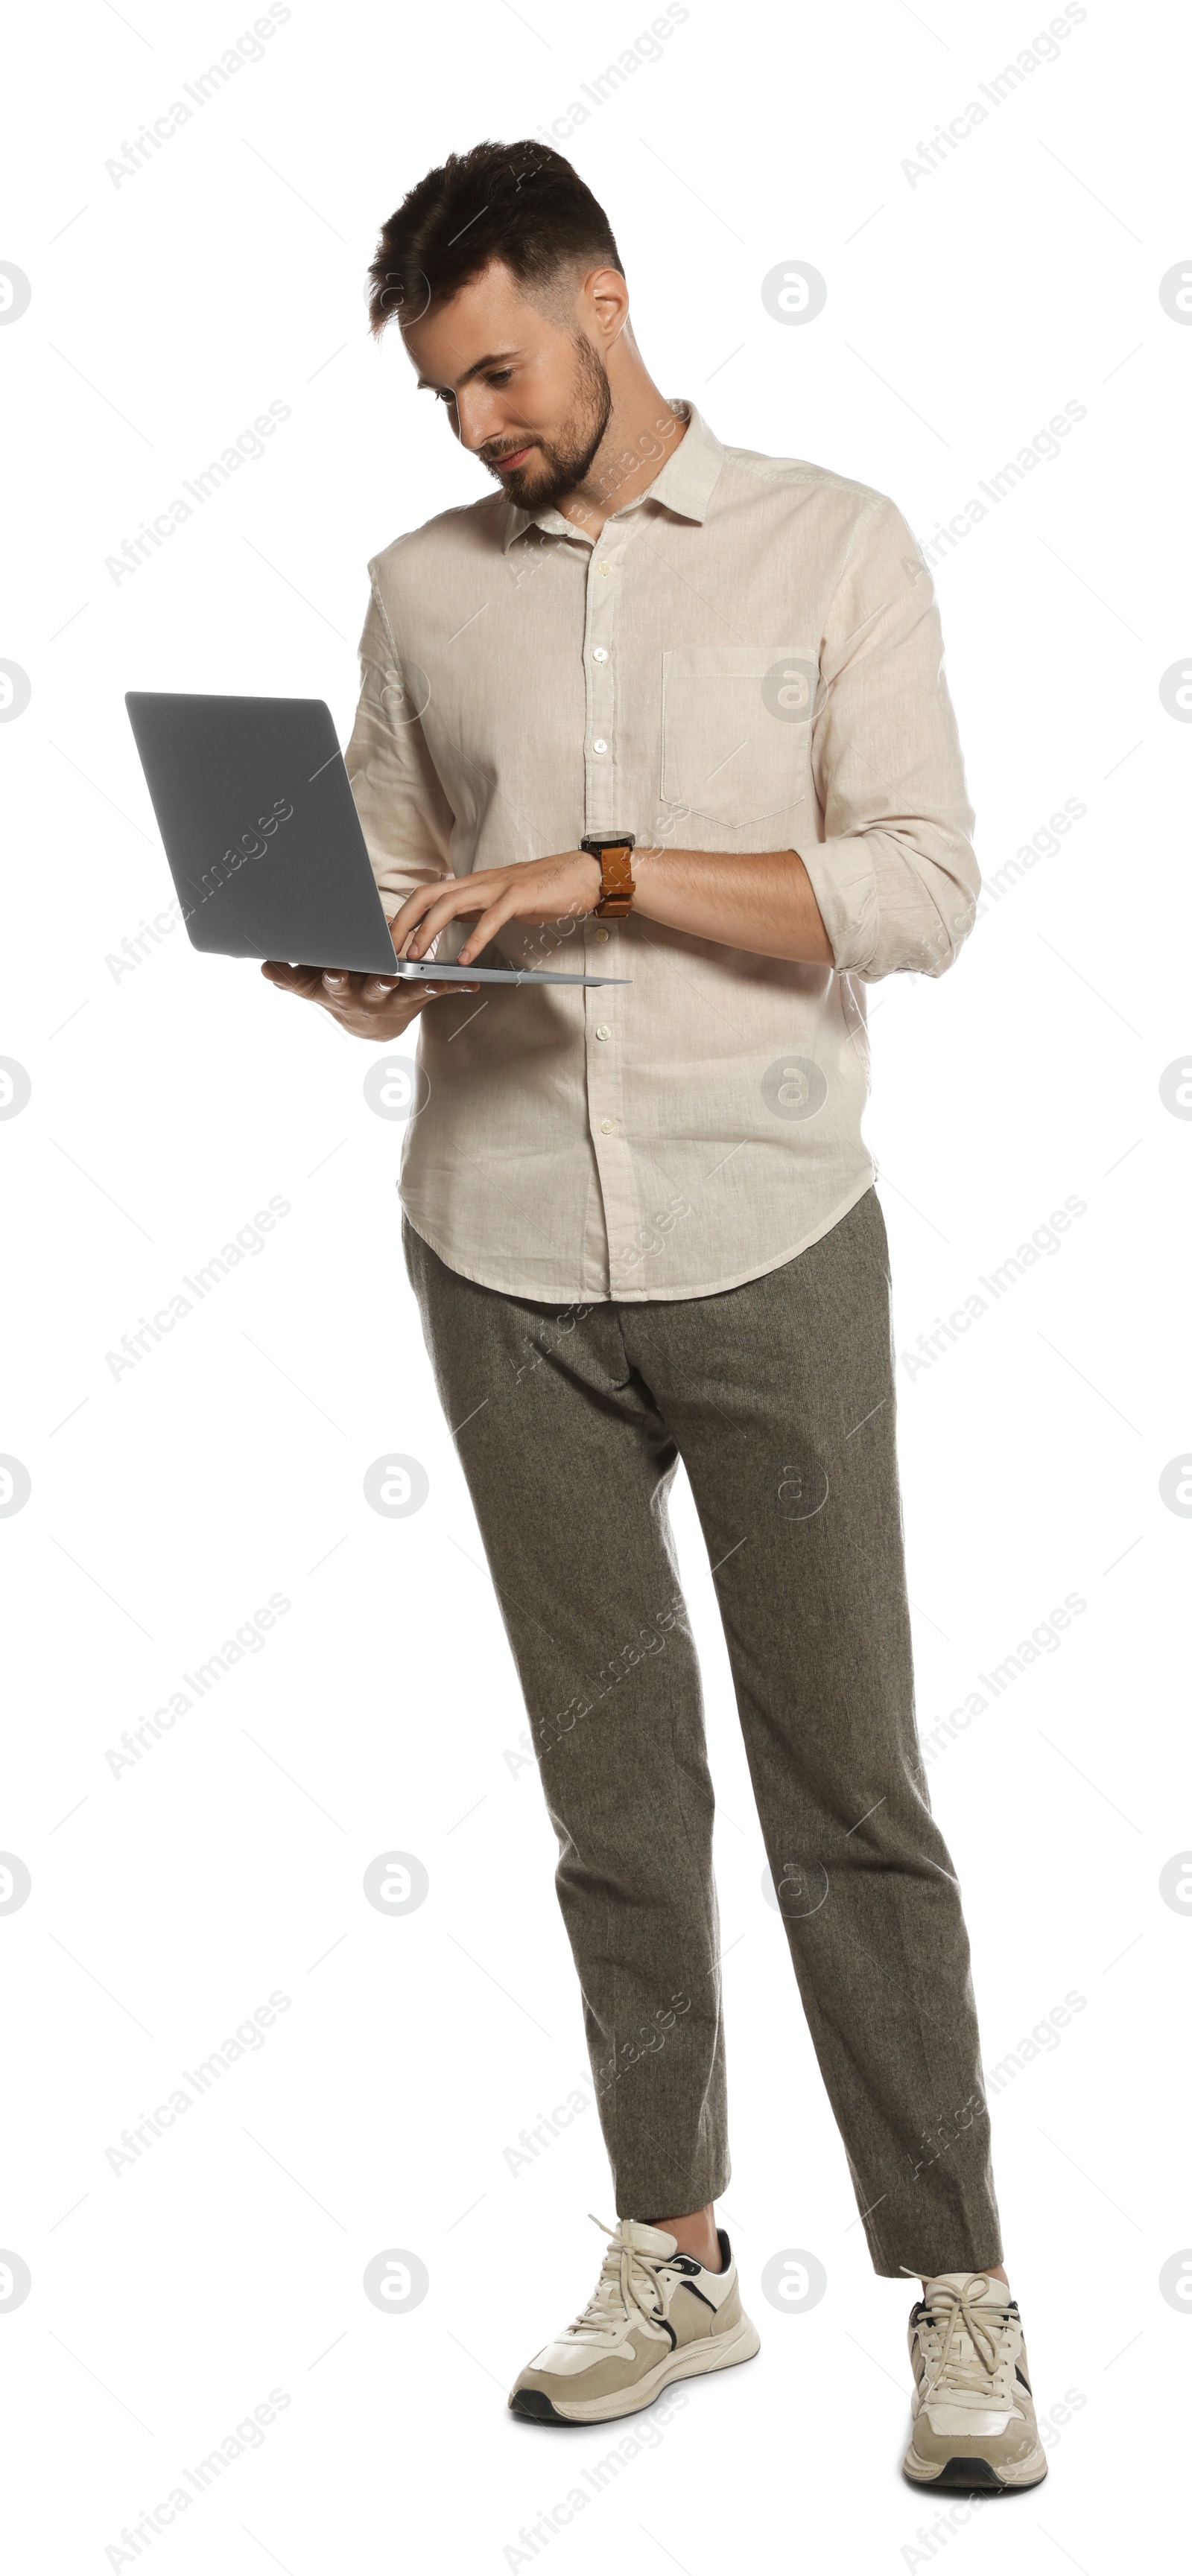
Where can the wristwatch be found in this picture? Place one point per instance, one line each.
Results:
(617, 888)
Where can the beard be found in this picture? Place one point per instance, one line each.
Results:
(555, 466)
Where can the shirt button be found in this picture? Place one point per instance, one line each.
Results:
(604, 1030)
(607, 1125)
(601, 935)
(600, 743)
(604, 570)
(600, 653)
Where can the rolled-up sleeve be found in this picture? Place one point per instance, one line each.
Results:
(895, 877)
(404, 813)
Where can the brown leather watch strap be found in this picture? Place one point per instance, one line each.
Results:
(617, 888)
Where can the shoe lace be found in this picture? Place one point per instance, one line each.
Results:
(966, 2340)
(628, 2286)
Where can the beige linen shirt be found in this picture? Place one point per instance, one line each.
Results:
(749, 658)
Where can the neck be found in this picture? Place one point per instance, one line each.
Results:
(642, 432)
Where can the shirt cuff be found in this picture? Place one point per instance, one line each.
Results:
(845, 888)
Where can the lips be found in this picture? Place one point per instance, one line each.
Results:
(504, 463)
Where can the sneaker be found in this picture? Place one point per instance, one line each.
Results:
(972, 2414)
(656, 2315)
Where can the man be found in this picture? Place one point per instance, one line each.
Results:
(674, 713)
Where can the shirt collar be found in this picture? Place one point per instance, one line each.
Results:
(683, 484)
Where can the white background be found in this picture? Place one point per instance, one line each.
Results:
(169, 1102)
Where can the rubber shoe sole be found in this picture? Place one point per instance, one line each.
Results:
(696, 2362)
(974, 2474)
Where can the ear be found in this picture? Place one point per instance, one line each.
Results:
(604, 304)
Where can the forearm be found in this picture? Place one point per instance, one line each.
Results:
(761, 901)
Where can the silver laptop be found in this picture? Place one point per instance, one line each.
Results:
(256, 813)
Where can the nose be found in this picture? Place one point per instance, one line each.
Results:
(478, 426)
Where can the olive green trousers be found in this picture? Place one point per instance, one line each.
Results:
(779, 1398)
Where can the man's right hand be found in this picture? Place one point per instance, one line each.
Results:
(367, 1006)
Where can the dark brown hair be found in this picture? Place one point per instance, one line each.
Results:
(517, 202)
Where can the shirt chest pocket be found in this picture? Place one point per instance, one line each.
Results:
(736, 727)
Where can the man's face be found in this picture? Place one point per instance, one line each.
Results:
(525, 391)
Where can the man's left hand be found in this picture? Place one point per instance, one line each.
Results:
(563, 887)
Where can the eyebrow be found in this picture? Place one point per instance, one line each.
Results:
(495, 358)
